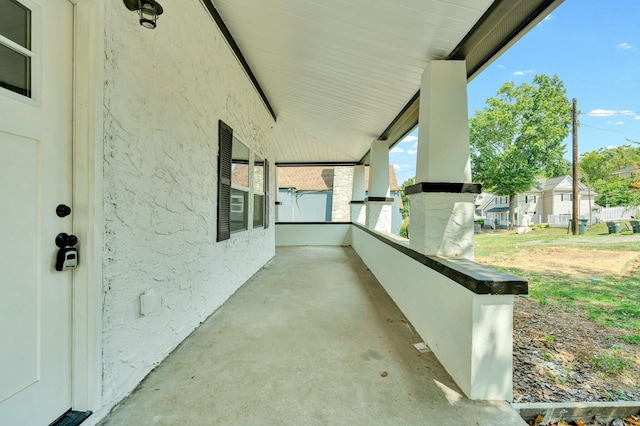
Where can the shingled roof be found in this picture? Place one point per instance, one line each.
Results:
(320, 178)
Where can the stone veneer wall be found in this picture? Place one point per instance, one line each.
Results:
(165, 91)
(342, 189)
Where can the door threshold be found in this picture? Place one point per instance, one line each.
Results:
(71, 418)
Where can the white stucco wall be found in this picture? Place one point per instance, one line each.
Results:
(442, 224)
(329, 234)
(165, 90)
(470, 334)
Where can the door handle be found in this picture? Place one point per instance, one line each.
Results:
(65, 240)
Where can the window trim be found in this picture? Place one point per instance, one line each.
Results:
(35, 54)
(258, 191)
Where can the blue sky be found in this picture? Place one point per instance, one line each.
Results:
(594, 47)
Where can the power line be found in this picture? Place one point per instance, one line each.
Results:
(620, 132)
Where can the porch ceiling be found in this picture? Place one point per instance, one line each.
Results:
(339, 74)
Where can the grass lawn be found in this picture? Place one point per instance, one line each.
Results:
(610, 299)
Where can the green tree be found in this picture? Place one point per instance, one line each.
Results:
(598, 165)
(404, 226)
(618, 192)
(518, 137)
(596, 169)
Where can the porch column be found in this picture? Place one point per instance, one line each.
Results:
(442, 205)
(358, 194)
(378, 201)
(442, 200)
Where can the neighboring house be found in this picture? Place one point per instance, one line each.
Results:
(550, 201)
(627, 172)
(323, 194)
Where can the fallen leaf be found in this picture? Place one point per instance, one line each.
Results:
(538, 420)
(563, 423)
(403, 321)
(418, 354)
(633, 420)
(580, 422)
(384, 374)
(389, 320)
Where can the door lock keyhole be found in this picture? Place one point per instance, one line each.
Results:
(65, 240)
(63, 210)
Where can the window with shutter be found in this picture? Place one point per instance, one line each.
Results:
(225, 148)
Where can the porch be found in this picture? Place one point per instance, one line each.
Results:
(306, 341)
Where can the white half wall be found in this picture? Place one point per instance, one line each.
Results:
(470, 334)
(303, 234)
(164, 92)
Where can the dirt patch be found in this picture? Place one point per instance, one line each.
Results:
(575, 262)
(559, 355)
(555, 357)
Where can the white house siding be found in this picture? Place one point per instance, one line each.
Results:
(165, 91)
(562, 203)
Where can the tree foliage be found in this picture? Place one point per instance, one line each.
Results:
(518, 137)
(404, 226)
(596, 169)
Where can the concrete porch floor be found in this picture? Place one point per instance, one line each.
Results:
(305, 341)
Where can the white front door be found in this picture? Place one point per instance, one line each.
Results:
(36, 45)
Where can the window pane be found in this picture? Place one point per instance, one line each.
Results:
(258, 174)
(258, 210)
(15, 22)
(240, 164)
(239, 210)
(15, 71)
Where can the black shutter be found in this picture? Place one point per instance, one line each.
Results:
(225, 147)
(266, 193)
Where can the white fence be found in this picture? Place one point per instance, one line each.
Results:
(558, 220)
(608, 214)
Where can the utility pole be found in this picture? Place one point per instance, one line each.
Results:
(576, 198)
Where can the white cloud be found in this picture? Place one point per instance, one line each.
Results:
(624, 46)
(617, 123)
(399, 168)
(409, 138)
(396, 150)
(548, 17)
(608, 112)
(523, 72)
(502, 67)
(637, 117)
(611, 147)
(411, 151)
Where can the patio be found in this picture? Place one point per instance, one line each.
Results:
(305, 341)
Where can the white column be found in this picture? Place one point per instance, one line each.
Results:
(443, 139)
(378, 202)
(442, 206)
(442, 219)
(379, 169)
(358, 194)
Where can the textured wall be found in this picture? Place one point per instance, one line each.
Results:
(165, 91)
(342, 189)
(442, 224)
